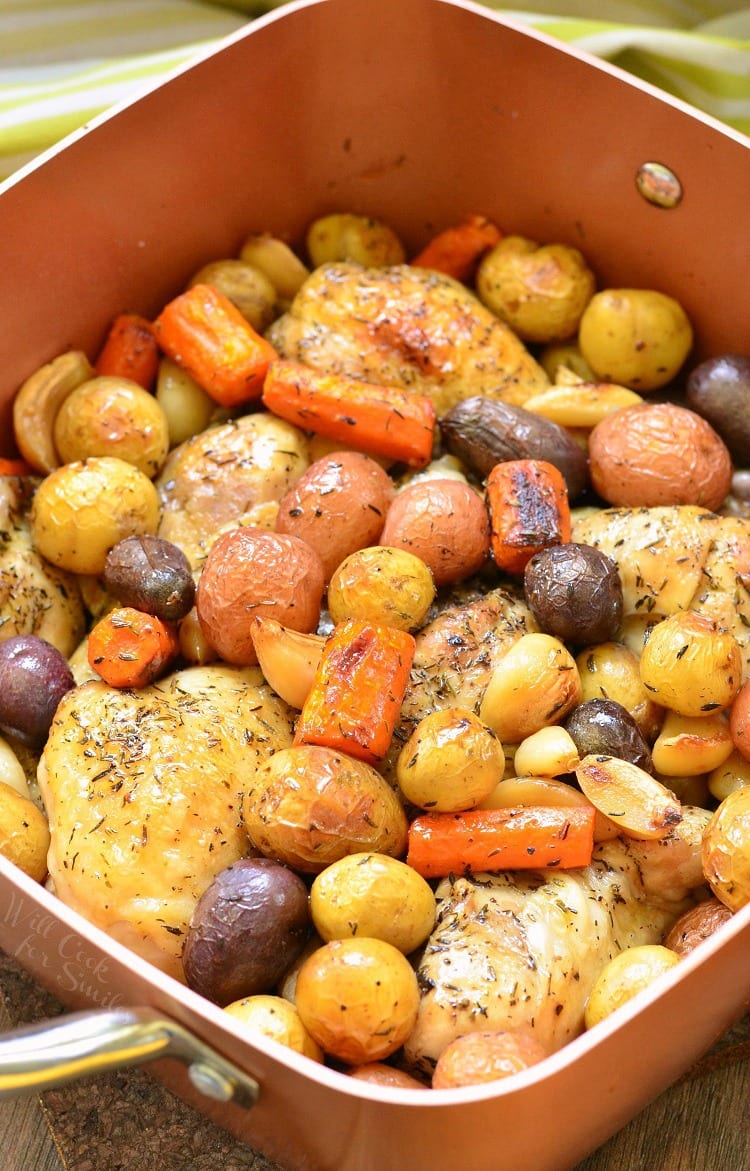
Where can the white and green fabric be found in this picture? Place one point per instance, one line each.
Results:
(63, 61)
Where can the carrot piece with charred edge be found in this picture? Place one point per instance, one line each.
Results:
(458, 250)
(529, 510)
(357, 691)
(130, 351)
(520, 838)
(205, 334)
(130, 648)
(380, 420)
(16, 467)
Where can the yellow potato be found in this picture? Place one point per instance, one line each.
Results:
(24, 833)
(277, 1018)
(82, 509)
(373, 895)
(110, 416)
(610, 670)
(358, 998)
(246, 287)
(343, 236)
(630, 972)
(539, 291)
(451, 761)
(383, 585)
(637, 337)
(186, 406)
(726, 850)
(692, 666)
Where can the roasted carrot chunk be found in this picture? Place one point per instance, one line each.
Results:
(529, 511)
(524, 837)
(356, 694)
(458, 250)
(15, 467)
(130, 648)
(205, 334)
(130, 351)
(379, 420)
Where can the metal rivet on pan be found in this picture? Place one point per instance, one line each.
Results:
(211, 1082)
(658, 185)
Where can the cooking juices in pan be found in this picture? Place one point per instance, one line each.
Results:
(388, 687)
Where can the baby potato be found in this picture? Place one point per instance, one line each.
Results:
(358, 998)
(486, 1056)
(659, 454)
(250, 570)
(451, 761)
(535, 683)
(338, 505)
(637, 337)
(382, 585)
(574, 592)
(696, 925)
(611, 670)
(376, 896)
(114, 417)
(308, 806)
(246, 287)
(539, 291)
(445, 523)
(24, 833)
(274, 1017)
(605, 727)
(343, 236)
(84, 508)
(691, 665)
(186, 406)
(247, 929)
(726, 850)
(624, 976)
(379, 1073)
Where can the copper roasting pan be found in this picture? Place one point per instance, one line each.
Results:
(418, 111)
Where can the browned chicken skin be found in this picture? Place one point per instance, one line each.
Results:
(409, 327)
(521, 950)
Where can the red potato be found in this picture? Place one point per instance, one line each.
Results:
(653, 454)
(485, 1056)
(252, 571)
(338, 506)
(445, 522)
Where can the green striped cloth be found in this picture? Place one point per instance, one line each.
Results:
(63, 61)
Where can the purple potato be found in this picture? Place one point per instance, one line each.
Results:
(247, 930)
(34, 676)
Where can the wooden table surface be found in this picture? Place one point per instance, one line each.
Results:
(129, 1122)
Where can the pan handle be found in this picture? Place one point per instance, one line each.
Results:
(81, 1044)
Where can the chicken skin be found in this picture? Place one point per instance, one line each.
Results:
(234, 473)
(521, 950)
(144, 790)
(407, 327)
